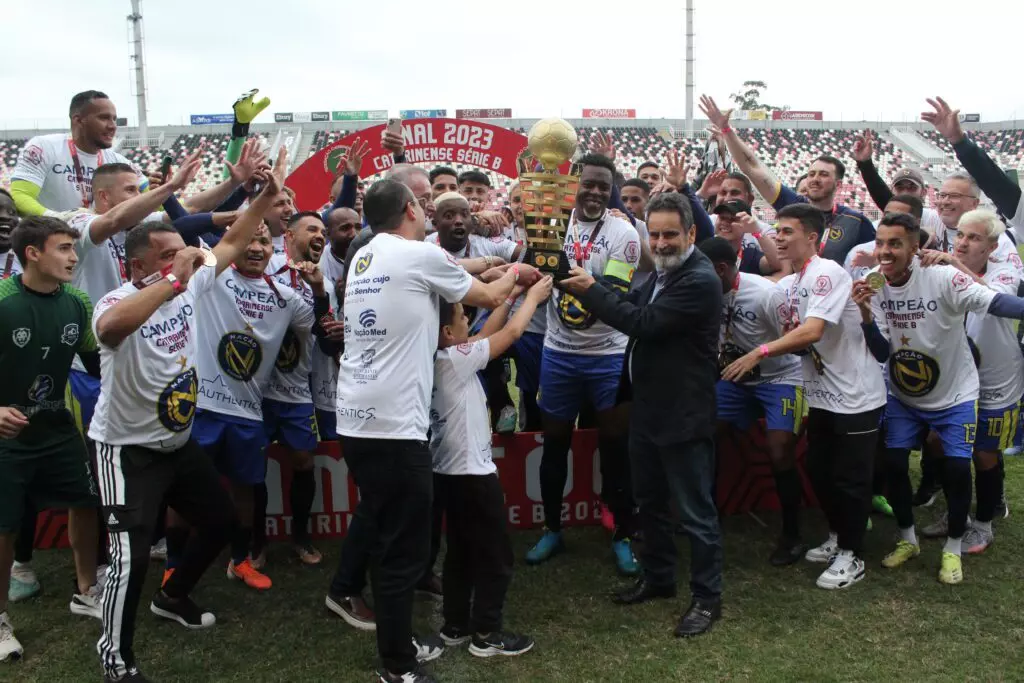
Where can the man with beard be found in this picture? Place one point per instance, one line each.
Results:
(342, 226)
(241, 332)
(916, 320)
(672, 322)
(288, 413)
(842, 385)
(582, 361)
(9, 264)
(846, 227)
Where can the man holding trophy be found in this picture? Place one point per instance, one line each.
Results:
(582, 356)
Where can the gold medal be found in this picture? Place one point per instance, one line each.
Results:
(875, 280)
(209, 258)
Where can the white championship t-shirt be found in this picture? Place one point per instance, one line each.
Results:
(1001, 372)
(332, 268)
(391, 314)
(1005, 253)
(278, 244)
(149, 381)
(11, 266)
(241, 329)
(859, 272)
(749, 320)
(571, 328)
(47, 161)
(460, 431)
(289, 380)
(480, 246)
(930, 362)
(324, 381)
(840, 374)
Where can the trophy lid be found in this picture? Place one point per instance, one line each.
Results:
(552, 142)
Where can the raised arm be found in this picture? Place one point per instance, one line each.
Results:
(507, 335)
(248, 163)
(490, 295)
(238, 237)
(246, 108)
(352, 163)
(863, 149)
(766, 183)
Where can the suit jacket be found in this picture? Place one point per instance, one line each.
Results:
(673, 350)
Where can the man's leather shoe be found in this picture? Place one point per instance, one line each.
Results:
(699, 618)
(642, 591)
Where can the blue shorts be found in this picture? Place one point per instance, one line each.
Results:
(291, 424)
(781, 404)
(82, 397)
(529, 349)
(327, 425)
(957, 427)
(997, 428)
(237, 446)
(566, 378)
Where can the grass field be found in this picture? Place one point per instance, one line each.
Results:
(894, 625)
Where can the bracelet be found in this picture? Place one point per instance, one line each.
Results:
(488, 261)
(510, 302)
(726, 129)
(764, 351)
(756, 235)
(515, 269)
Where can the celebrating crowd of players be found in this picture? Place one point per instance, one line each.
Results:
(190, 334)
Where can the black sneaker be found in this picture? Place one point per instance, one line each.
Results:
(182, 610)
(643, 591)
(454, 636)
(430, 587)
(414, 676)
(133, 676)
(428, 648)
(699, 618)
(353, 609)
(788, 551)
(504, 643)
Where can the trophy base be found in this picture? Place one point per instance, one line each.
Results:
(553, 263)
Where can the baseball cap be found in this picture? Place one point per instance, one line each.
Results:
(908, 174)
(733, 206)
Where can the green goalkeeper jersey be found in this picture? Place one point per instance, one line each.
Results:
(39, 336)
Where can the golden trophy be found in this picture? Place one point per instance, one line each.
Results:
(548, 196)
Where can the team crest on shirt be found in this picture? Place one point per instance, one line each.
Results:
(464, 348)
(632, 251)
(33, 154)
(835, 233)
(914, 373)
(21, 336)
(823, 285)
(288, 356)
(42, 387)
(70, 334)
(1015, 261)
(572, 314)
(177, 405)
(363, 262)
(239, 355)
(961, 281)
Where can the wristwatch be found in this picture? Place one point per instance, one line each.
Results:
(175, 283)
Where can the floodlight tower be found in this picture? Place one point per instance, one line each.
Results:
(139, 67)
(689, 67)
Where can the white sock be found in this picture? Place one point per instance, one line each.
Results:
(952, 546)
(909, 535)
(983, 526)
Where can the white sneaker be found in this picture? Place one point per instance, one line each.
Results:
(824, 552)
(428, 648)
(89, 603)
(844, 571)
(10, 648)
(158, 551)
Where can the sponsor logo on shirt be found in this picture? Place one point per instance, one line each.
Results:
(33, 154)
(40, 389)
(291, 350)
(176, 406)
(632, 251)
(358, 413)
(961, 281)
(367, 324)
(823, 285)
(572, 313)
(21, 336)
(70, 334)
(366, 357)
(363, 262)
(239, 355)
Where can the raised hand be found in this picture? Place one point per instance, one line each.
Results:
(249, 162)
(747, 223)
(603, 144)
(717, 117)
(281, 165)
(393, 142)
(187, 171)
(675, 169)
(185, 263)
(310, 272)
(861, 295)
(540, 290)
(274, 182)
(712, 183)
(864, 147)
(353, 158)
(935, 257)
(945, 119)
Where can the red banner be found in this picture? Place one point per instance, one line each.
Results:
(609, 113)
(427, 141)
(483, 113)
(744, 483)
(778, 115)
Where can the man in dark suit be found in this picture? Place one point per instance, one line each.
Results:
(670, 373)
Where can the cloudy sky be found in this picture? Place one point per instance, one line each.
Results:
(876, 59)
